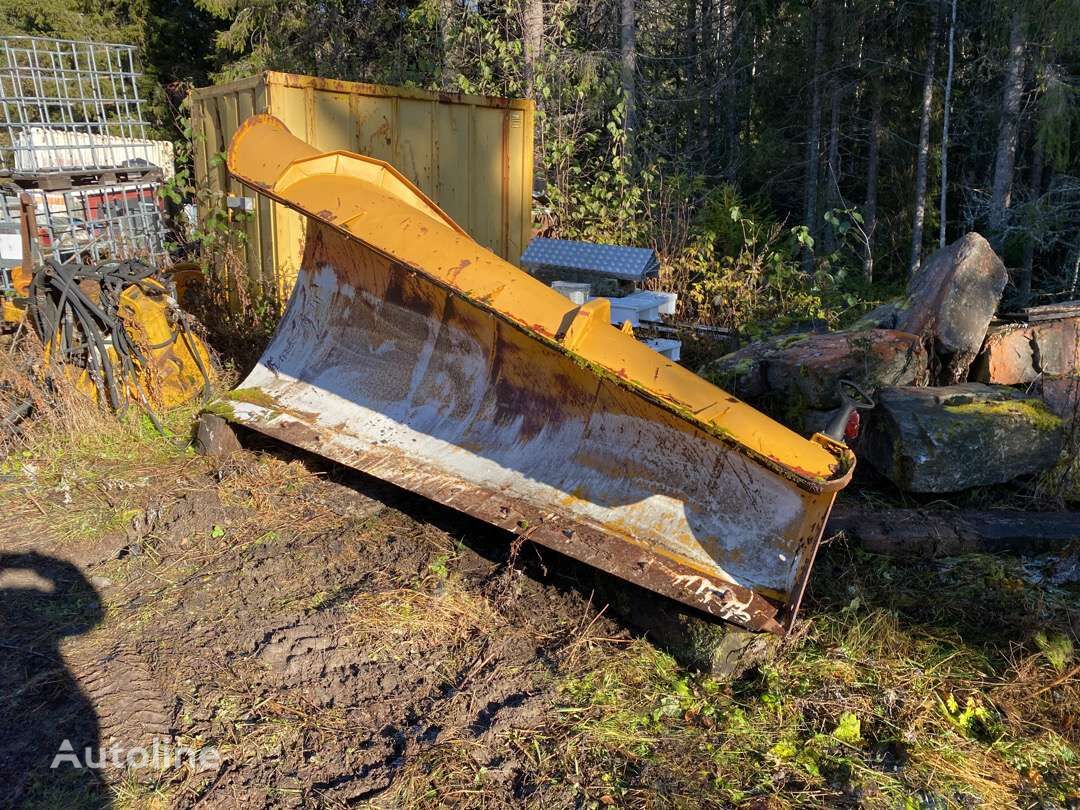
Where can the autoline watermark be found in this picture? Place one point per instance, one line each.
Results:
(159, 756)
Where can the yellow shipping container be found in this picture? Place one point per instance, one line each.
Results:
(473, 155)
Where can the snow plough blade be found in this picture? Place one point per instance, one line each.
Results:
(411, 353)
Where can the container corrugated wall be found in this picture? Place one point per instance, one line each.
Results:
(473, 155)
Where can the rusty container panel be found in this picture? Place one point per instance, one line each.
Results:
(472, 155)
(411, 352)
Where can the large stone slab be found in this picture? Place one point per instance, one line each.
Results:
(1016, 354)
(955, 437)
(795, 374)
(951, 301)
(1062, 394)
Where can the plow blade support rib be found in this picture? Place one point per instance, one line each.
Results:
(410, 352)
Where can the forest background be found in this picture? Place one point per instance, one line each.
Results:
(790, 161)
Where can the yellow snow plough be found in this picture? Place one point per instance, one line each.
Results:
(410, 352)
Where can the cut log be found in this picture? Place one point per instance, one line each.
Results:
(1048, 312)
(1016, 354)
(792, 376)
(930, 533)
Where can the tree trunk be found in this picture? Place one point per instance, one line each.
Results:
(447, 11)
(837, 89)
(945, 129)
(832, 174)
(628, 62)
(1024, 282)
(813, 145)
(725, 102)
(924, 148)
(930, 533)
(692, 54)
(532, 29)
(873, 152)
(1004, 162)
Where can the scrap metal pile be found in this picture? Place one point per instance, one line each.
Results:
(82, 233)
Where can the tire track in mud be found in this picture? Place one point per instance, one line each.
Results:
(233, 622)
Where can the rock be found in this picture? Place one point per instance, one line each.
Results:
(793, 375)
(960, 436)
(885, 316)
(705, 644)
(695, 640)
(1061, 393)
(951, 301)
(1016, 354)
(215, 437)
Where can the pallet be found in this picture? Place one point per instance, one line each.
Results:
(65, 181)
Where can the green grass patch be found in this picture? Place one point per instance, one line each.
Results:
(935, 684)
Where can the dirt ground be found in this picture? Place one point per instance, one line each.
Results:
(311, 637)
(319, 635)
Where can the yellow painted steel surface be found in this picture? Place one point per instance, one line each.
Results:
(412, 352)
(472, 155)
(11, 314)
(170, 374)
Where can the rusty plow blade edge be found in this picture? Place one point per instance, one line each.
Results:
(411, 353)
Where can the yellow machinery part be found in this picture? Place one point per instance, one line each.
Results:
(177, 360)
(175, 357)
(412, 353)
(11, 314)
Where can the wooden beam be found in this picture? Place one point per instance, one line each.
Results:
(933, 533)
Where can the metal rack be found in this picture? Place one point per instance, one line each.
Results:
(96, 223)
(73, 136)
(71, 107)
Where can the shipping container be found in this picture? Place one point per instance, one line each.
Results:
(473, 155)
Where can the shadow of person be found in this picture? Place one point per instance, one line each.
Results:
(46, 717)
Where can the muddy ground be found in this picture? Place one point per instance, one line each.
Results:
(312, 637)
(322, 650)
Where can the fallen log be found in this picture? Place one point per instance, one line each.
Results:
(932, 533)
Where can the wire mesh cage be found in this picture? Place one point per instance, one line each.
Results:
(70, 106)
(91, 224)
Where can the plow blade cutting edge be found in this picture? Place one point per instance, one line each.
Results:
(411, 353)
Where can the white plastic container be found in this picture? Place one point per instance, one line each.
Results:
(636, 307)
(670, 300)
(671, 349)
(575, 291)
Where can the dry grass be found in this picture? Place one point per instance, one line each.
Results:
(419, 620)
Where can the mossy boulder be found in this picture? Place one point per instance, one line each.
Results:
(951, 438)
(793, 375)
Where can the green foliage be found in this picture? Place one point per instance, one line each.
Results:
(889, 692)
(1057, 647)
(848, 729)
(744, 273)
(1059, 118)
